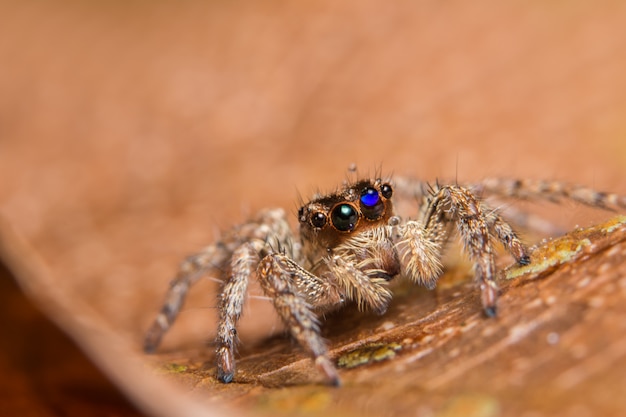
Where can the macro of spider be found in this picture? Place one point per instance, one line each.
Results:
(349, 246)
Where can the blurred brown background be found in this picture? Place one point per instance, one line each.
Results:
(130, 132)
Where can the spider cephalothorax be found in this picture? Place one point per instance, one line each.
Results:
(357, 207)
(331, 220)
(349, 245)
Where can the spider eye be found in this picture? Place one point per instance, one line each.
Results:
(318, 219)
(371, 204)
(369, 197)
(386, 191)
(344, 217)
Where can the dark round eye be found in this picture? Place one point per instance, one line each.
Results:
(344, 217)
(318, 219)
(386, 190)
(371, 204)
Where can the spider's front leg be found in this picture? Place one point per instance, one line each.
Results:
(296, 293)
(458, 205)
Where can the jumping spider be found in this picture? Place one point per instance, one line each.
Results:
(349, 246)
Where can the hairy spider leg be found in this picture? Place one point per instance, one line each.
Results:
(191, 269)
(454, 204)
(507, 236)
(554, 191)
(522, 189)
(267, 223)
(231, 299)
(278, 276)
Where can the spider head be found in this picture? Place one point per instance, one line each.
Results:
(328, 220)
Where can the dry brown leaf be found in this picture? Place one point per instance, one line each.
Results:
(129, 133)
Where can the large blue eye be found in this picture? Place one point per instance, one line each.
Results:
(344, 217)
(370, 197)
(372, 206)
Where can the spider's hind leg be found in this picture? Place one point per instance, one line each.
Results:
(505, 234)
(555, 191)
(458, 205)
(191, 269)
